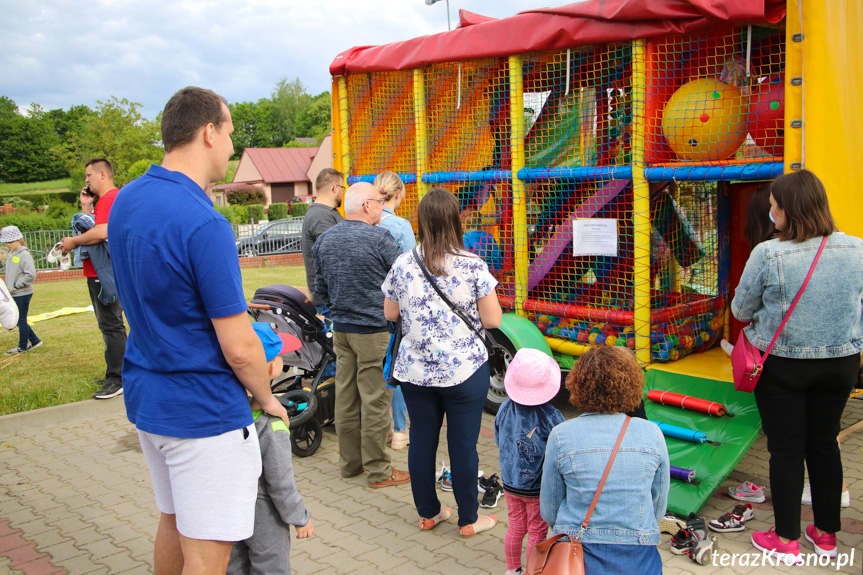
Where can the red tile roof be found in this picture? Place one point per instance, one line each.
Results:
(281, 164)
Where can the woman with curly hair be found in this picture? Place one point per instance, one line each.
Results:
(623, 533)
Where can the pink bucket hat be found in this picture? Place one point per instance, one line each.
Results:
(532, 377)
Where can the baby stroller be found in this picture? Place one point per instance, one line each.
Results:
(310, 402)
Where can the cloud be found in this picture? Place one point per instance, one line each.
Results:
(60, 53)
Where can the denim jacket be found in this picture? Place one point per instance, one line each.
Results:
(636, 491)
(827, 321)
(521, 433)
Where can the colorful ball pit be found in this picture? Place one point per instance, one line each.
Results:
(705, 120)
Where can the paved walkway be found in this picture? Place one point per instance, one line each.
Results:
(75, 498)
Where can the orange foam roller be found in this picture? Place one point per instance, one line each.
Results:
(687, 402)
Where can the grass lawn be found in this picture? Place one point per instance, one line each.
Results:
(72, 357)
(47, 186)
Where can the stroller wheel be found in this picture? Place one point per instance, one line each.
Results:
(306, 439)
(301, 405)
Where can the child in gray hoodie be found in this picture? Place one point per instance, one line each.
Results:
(20, 275)
(279, 504)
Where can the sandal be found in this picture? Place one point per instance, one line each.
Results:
(444, 514)
(483, 523)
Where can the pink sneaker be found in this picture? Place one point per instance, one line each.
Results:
(825, 544)
(768, 542)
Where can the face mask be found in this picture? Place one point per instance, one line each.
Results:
(770, 215)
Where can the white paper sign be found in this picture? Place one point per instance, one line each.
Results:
(594, 237)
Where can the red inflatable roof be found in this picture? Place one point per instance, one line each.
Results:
(581, 24)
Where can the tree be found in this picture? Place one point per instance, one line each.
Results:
(289, 99)
(27, 144)
(314, 120)
(67, 123)
(117, 131)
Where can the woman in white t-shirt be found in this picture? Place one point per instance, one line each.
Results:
(442, 363)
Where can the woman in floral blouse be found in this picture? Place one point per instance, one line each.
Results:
(441, 364)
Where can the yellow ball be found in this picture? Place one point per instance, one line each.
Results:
(705, 119)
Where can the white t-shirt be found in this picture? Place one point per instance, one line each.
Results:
(437, 348)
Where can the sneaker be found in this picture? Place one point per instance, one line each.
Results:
(671, 524)
(733, 521)
(683, 541)
(109, 390)
(397, 478)
(703, 551)
(55, 254)
(807, 497)
(15, 350)
(440, 472)
(747, 492)
(696, 525)
(401, 439)
(493, 491)
(33, 346)
(446, 478)
(825, 544)
(65, 262)
(768, 542)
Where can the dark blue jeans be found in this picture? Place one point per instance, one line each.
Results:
(25, 332)
(462, 405)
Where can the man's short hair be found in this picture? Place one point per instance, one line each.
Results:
(101, 164)
(327, 178)
(357, 195)
(188, 111)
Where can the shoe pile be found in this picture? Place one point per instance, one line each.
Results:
(693, 541)
(491, 490)
(733, 521)
(671, 524)
(747, 492)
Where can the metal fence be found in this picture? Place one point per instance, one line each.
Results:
(277, 237)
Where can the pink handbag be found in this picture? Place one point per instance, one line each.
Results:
(746, 359)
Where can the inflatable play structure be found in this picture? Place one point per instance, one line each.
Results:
(611, 148)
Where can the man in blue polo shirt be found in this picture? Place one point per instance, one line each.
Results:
(192, 353)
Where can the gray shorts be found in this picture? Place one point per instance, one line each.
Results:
(209, 483)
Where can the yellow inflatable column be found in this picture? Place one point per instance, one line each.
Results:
(640, 206)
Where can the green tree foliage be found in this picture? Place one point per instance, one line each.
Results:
(315, 119)
(26, 145)
(246, 196)
(117, 131)
(289, 100)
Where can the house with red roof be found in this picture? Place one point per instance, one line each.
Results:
(283, 173)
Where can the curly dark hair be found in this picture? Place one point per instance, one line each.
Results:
(606, 379)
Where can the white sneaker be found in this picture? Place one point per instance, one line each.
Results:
(65, 262)
(807, 497)
(54, 255)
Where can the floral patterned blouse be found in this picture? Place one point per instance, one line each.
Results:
(437, 348)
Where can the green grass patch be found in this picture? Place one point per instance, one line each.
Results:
(46, 186)
(72, 358)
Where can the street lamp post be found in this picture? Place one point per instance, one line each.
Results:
(448, 23)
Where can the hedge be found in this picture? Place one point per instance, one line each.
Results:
(43, 198)
(299, 209)
(246, 196)
(227, 211)
(278, 211)
(35, 222)
(256, 212)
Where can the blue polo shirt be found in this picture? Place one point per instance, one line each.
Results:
(176, 267)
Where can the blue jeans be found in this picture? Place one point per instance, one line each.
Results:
(462, 405)
(330, 369)
(400, 410)
(25, 332)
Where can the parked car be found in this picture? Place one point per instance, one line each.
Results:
(278, 237)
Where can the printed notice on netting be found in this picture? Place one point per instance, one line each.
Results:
(595, 237)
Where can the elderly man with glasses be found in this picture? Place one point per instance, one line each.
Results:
(352, 260)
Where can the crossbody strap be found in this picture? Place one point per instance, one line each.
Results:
(797, 298)
(605, 473)
(443, 296)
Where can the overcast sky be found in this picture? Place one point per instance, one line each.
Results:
(60, 53)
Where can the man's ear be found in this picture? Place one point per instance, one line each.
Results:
(209, 134)
(271, 367)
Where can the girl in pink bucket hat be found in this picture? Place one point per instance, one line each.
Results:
(521, 431)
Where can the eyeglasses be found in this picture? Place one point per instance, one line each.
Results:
(376, 200)
(340, 186)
